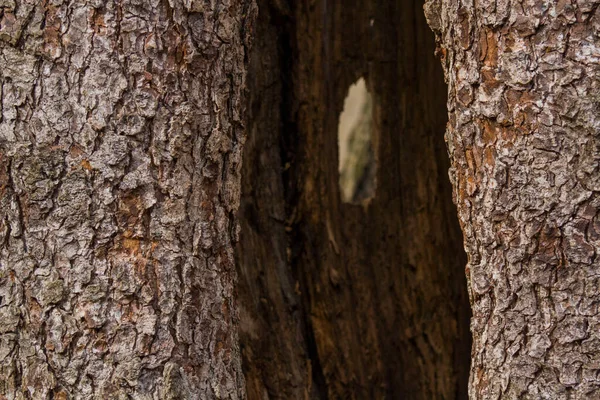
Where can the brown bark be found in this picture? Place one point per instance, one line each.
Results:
(120, 141)
(344, 300)
(523, 137)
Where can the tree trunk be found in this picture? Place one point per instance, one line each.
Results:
(121, 136)
(120, 140)
(524, 143)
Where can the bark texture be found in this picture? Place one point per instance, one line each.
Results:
(523, 81)
(345, 301)
(120, 144)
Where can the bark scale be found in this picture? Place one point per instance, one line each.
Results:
(523, 136)
(120, 138)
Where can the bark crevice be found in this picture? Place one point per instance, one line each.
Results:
(340, 300)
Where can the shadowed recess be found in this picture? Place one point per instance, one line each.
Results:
(338, 301)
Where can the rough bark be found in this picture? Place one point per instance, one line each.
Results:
(120, 139)
(343, 300)
(523, 81)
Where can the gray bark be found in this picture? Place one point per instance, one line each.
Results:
(523, 136)
(120, 139)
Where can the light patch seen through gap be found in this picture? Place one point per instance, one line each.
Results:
(357, 163)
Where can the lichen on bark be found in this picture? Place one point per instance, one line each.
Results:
(120, 139)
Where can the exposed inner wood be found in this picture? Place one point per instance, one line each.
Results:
(342, 300)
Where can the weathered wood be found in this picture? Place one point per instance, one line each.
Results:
(350, 301)
(273, 336)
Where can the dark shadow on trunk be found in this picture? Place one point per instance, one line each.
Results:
(341, 300)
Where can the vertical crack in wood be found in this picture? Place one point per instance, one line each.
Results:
(374, 297)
